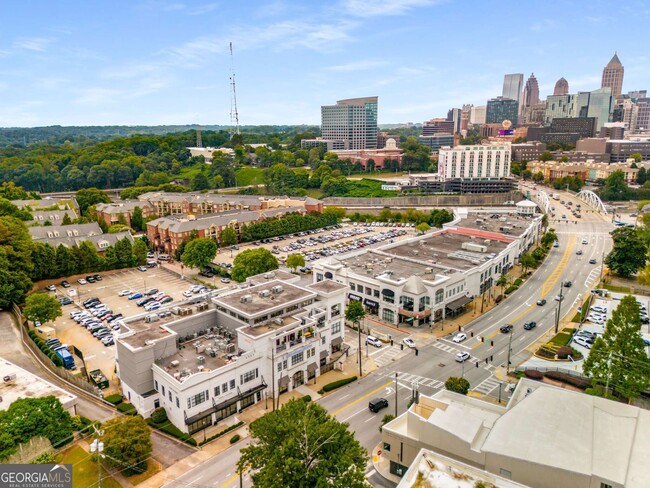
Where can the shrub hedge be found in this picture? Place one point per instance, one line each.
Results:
(577, 381)
(533, 374)
(224, 431)
(115, 398)
(173, 431)
(235, 438)
(518, 282)
(511, 289)
(45, 349)
(126, 408)
(306, 398)
(563, 352)
(159, 415)
(338, 384)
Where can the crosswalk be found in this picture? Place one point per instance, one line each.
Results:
(445, 347)
(486, 386)
(412, 379)
(386, 356)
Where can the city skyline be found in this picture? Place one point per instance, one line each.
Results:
(158, 62)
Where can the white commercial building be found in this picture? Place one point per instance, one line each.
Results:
(474, 162)
(427, 278)
(212, 359)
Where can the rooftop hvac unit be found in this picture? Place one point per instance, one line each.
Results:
(246, 298)
(230, 348)
(200, 359)
(428, 270)
(265, 293)
(177, 375)
(269, 275)
(199, 348)
(277, 321)
(277, 289)
(388, 260)
(175, 363)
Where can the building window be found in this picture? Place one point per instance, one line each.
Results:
(249, 376)
(178, 404)
(353, 287)
(224, 387)
(376, 293)
(232, 384)
(156, 385)
(336, 327)
(319, 277)
(163, 389)
(605, 485)
(440, 296)
(170, 395)
(505, 473)
(279, 367)
(197, 399)
(388, 316)
(386, 446)
(297, 358)
(217, 391)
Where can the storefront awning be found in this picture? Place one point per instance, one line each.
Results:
(352, 296)
(311, 368)
(371, 303)
(323, 354)
(458, 303)
(337, 340)
(283, 381)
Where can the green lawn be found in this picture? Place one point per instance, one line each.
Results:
(250, 176)
(189, 172)
(84, 470)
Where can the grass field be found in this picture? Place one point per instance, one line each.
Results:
(250, 176)
(189, 172)
(84, 470)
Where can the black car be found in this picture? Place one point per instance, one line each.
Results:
(90, 279)
(530, 325)
(567, 284)
(65, 301)
(506, 328)
(65, 284)
(592, 261)
(207, 273)
(541, 302)
(377, 404)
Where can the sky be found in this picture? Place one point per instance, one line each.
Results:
(163, 62)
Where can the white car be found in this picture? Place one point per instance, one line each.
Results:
(584, 241)
(462, 357)
(187, 293)
(373, 341)
(409, 342)
(81, 281)
(125, 293)
(582, 341)
(460, 337)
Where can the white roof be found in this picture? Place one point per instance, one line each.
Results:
(526, 203)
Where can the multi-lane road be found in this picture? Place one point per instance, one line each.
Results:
(436, 360)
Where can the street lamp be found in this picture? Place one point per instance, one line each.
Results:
(559, 306)
(98, 446)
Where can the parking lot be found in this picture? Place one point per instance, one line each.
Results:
(96, 355)
(316, 244)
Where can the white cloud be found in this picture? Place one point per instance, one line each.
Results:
(38, 44)
(363, 65)
(374, 8)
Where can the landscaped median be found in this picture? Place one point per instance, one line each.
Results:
(336, 384)
(558, 349)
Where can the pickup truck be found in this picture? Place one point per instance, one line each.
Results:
(98, 379)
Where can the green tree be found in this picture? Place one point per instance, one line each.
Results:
(91, 196)
(9, 209)
(355, 312)
(549, 238)
(228, 237)
(42, 307)
(638, 157)
(199, 253)
(117, 228)
(66, 220)
(459, 385)
(546, 156)
(127, 444)
(300, 445)
(423, 227)
(337, 212)
(295, 261)
(200, 182)
(628, 254)
(503, 282)
(10, 191)
(88, 258)
(615, 187)
(527, 261)
(538, 177)
(526, 174)
(439, 217)
(252, 262)
(139, 252)
(619, 359)
(124, 253)
(137, 222)
(65, 264)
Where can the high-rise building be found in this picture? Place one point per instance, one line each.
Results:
(533, 114)
(601, 103)
(531, 92)
(636, 94)
(353, 120)
(561, 87)
(491, 161)
(643, 114)
(500, 109)
(436, 141)
(437, 126)
(613, 76)
(559, 106)
(464, 116)
(477, 115)
(513, 86)
(454, 115)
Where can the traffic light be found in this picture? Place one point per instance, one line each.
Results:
(471, 334)
(459, 328)
(491, 343)
(476, 364)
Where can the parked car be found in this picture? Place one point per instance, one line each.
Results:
(50, 287)
(506, 328)
(584, 241)
(541, 302)
(377, 404)
(150, 307)
(90, 279)
(151, 291)
(167, 299)
(187, 293)
(460, 337)
(408, 342)
(125, 293)
(65, 301)
(142, 268)
(65, 284)
(582, 341)
(225, 280)
(97, 277)
(556, 244)
(462, 356)
(373, 341)
(81, 281)
(579, 252)
(135, 295)
(530, 325)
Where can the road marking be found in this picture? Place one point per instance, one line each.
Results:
(356, 413)
(345, 396)
(370, 473)
(354, 402)
(371, 418)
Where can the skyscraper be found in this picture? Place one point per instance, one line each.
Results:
(613, 76)
(353, 120)
(561, 87)
(500, 109)
(512, 87)
(531, 92)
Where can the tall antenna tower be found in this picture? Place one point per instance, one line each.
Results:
(199, 142)
(234, 115)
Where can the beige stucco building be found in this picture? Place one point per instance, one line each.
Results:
(545, 437)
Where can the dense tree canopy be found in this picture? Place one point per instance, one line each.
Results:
(300, 445)
(252, 262)
(629, 252)
(615, 187)
(199, 253)
(127, 444)
(42, 307)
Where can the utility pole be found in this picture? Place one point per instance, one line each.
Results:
(360, 366)
(512, 332)
(396, 394)
(98, 446)
(559, 306)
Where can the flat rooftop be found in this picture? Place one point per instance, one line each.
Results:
(327, 286)
(199, 355)
(513, 224)
(257, 304)
(272, 325)
(27, 385)
(278, 274)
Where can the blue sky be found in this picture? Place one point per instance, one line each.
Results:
(166, 61)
